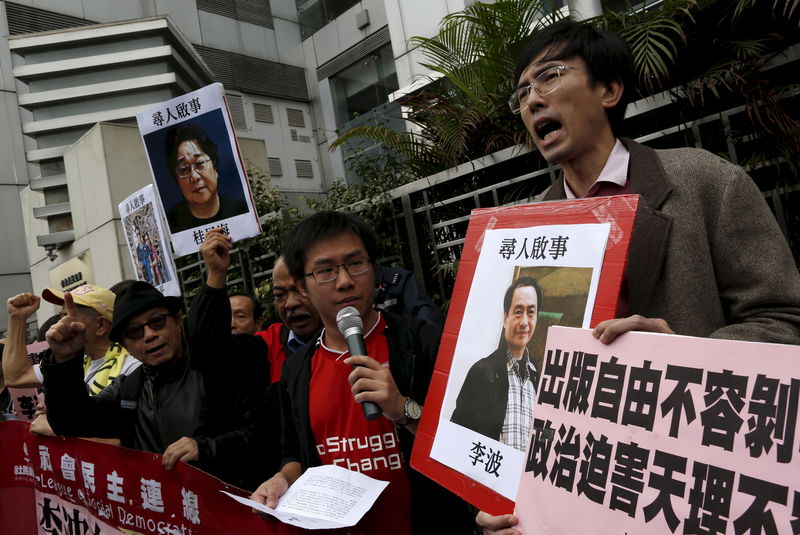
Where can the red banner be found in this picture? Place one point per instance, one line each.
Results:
(72, 486)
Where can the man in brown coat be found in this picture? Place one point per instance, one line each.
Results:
(707, 257)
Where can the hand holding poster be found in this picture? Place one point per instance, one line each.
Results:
(522, 269)
(197, 168)
(147, 244)
(663, 434)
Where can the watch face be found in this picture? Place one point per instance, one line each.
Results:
(413, 410)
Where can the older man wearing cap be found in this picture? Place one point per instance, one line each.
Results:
(103, 360)
(170, 404)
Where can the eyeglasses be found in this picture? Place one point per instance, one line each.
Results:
(184, 170)
(331, 273)
(155, 322)
(544, 84)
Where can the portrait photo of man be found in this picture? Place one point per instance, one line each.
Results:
(498, 395)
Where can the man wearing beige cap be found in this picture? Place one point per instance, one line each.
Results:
(102, 361)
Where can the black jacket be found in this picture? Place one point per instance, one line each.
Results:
(413, 345)
(213, 395)
(237, 383)
(482, 401)
(147, 410)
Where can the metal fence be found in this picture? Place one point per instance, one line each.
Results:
(432, 213)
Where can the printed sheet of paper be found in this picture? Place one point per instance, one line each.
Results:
(566, 261)
(661, 433)
(147, 244)
(197, 168)
(324, 497)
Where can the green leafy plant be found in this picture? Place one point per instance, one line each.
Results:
(370, 198)
(704, 52)
(463, 113)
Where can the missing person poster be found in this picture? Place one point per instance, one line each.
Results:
(147, 244)
(661, 433)
(197, 168)
(523, 269)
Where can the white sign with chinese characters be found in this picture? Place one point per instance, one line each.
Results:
(197, 168)
(559, 267)
(147, 244)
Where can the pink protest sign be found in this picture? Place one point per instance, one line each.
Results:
(663, 433)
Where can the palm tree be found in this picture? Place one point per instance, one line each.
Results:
(462, 114)
(699, 50)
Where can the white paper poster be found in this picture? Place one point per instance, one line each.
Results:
(147, 244)
(197, 169)
(542, 276)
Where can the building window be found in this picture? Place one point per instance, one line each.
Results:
(364, 85)
(254, 75)
(299, 137)
(304, 169)
(314, 14)
(254, 151)
(26, 19)
(275, 168)
(257, 12)
(236, 108)
(295, 117)
(263, 113)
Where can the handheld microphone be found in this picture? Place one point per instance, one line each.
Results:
(352, 328)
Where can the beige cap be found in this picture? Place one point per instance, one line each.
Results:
(89, 295)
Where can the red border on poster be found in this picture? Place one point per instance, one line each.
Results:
(618, 210)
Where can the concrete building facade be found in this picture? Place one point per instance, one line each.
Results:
(73, 73)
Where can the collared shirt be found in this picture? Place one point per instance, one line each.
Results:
(613, 180)
(521, 398)
(613, 175)
(294, 342)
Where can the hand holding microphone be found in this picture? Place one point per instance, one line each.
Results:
(352, 328)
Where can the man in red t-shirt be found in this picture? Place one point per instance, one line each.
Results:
(300, 320)
(330, 257)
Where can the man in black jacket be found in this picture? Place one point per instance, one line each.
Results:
(180, 401)
(330, 256)
(497, 397)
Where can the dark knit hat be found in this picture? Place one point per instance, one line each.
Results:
(135, 299)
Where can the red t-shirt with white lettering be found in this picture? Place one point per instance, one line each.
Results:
(345, 438)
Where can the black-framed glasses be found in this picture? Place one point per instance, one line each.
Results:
(548, 81)
(155, 322)
(330, 273)
(184, 170)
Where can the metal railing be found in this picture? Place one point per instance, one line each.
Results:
(432, 213)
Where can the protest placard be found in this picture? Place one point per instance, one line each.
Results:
(197, 168)
(147, 244)
(662, 433)
(25, 400)
(522, 269)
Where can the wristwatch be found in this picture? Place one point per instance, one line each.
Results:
(412, 412)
